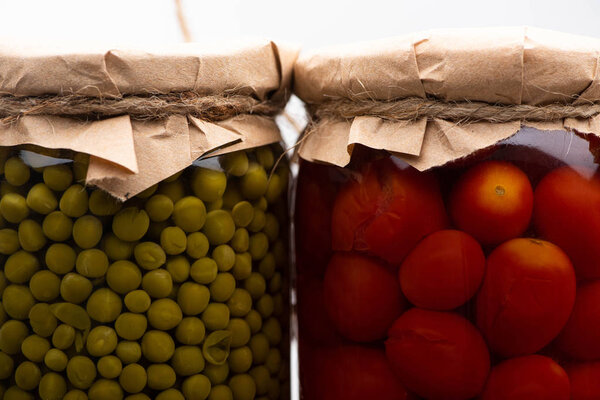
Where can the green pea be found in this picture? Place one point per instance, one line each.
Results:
(164, 314)
(273, 360)
(265, 305)
(219, 227)
(274, 188)
(254, 319)
(174, 190)
(13, 208)
(137, 301)
(41, 319)
(92, 263)
(240, 360)
(52, 387)
(278, 305)
(197, 245)
(265, 157)
(129, 352)
(12, 334)
(275, 283)
(204, 270)
(220, 392)
(109, 367)
(57, 226)
(6, 188)
(21, 266)
(160, 376)
(27, 375)
(240, 240)
(74, 201)
(173, 240)
(58, 177)
(71, 314)
(261, 204)
(60, 258)
(75, 394)
(6, 365)
(222, 287)
(193, 298)
(254, 183)
(217, 374)
(216, 316)
(87, 231)
(44, 286)
(131, 326)
(149, 255)
(104, 305)
(81, 372)
(179, 268)
(9, 241)
(187, 360)
(170, 394)
(196, 387)
(16, 393)
(242, 214)
(189, 214)
(240, 332)
(31, 236)
(75, 288)
(104, 389)
(266, 266)
(123, 276)
(240, 303)
(130, 224)
(144, 194)
(235, 163)
(190, 331)
(259, 345)
(255, 285)
(159, 207)
(216, 347)
(232, 196)
(258, 246)
(17, 301)
(41, 199)
(214, 205)
(243, 387)
(101, 341)
(63, 337)
(158, 283)
(208, 184)
(242, 268)
(133, 378)
(117, 249)
(262, 379)
(258, 221)
(271, 228)
(103, 204)
(56, 360)
(35, 347)
(16, 172)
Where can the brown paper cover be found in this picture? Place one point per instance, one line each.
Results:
(495, 65)
(128, 156)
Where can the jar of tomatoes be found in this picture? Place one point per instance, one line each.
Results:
(447, 221)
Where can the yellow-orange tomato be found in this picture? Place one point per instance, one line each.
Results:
(493, 202)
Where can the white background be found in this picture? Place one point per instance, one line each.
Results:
(311, 22)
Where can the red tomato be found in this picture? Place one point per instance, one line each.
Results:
(527, 378)
(567, 212)
(438, 355)
(387, 211)
(352, 373)
(313, 322)
(362, 297)
(585, 380)
(315, 195)
(526, 297)
(444, 271)
(580, 338)
(492, 202)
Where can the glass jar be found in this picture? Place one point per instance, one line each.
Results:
(179, 291)
(477, 279)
